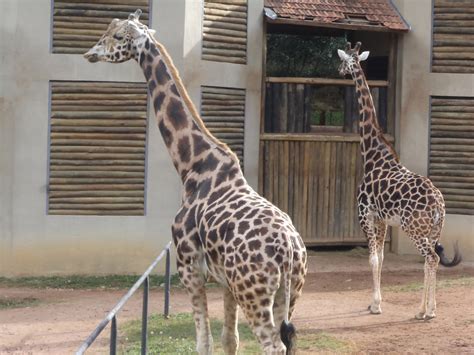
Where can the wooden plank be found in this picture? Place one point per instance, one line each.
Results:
(310, 192)
(285, 159)
(95, 168)
(451, 69)
(337, 230)
(215, 58)
(323, 81)
(96, 212)
(283, 108)
(229, 7)
(307, 153)
(54, 201)
(101, 187)
(332, 190)
(352, 189)
(224, 13)
(144, 3)
(95, 193)
(316, 138)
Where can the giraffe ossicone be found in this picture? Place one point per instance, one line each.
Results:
(390, 194)
(223, 227)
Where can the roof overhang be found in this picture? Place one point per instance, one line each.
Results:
(355, 15)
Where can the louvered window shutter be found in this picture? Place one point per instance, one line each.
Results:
(453, 32)
(223, 112)
(79, 24)
(452, 152)
(97, 148)
(225, 31)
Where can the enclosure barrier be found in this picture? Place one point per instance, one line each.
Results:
(112, 316)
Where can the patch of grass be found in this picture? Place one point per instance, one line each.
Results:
(323, 342)
(7, 302)
(84, 281)
(177, 335)
(418, 286)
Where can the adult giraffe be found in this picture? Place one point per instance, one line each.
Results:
(223, 227)
(390, 194)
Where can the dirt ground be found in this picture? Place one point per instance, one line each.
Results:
(334, 301)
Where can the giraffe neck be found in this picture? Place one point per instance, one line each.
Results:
(372, 141)
(189, 143)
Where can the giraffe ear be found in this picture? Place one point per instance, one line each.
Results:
(135, 16)
(363, 56)
(342, 54)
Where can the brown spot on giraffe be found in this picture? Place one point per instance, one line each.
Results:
(206, 228)
(394, 196)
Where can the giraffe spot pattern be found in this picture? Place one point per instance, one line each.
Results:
(176, 114)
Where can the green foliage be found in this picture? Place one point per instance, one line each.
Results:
(331, 118)
(7, 302)
(83, 281)
(303, 56)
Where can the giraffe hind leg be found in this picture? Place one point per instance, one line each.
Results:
(428, 300)
(256, 303)
(230, 334)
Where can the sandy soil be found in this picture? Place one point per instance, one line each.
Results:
(334, 301)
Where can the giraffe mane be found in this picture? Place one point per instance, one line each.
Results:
(187, 100)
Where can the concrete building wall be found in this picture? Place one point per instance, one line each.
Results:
(415, 86)
(34, 243)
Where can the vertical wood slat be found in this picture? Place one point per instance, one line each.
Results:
(97, 155)
(78, 25)
(319, 192)
(451, 155)
(223, 112)
(225, 31)
(453, 47)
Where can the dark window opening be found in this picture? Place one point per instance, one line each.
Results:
(327, 105)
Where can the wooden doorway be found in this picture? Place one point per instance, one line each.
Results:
(310, 162)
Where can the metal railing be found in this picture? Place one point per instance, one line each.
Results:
(112, 316)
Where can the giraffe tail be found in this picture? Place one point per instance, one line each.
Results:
(287, 329)
(287, 334)
(444, 260)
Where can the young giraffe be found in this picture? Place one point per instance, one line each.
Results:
(390, 194)
(223, 227)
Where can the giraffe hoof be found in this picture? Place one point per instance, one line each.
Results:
(375, 309)
(430, 316)
(420, 316)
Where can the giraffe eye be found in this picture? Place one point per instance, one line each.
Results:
(118, 37)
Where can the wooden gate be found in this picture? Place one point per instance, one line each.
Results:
(313, 175)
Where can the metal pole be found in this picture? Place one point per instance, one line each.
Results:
(167, 284)
(113, 336)
(145, 316)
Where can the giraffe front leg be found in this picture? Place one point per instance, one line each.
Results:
(230, 333)
(375, 231)
(194, 282)
(190, 262)
(374, 262)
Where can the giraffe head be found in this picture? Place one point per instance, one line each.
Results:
(350, 57)
(121, 42)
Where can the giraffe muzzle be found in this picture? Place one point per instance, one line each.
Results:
(91, 57)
